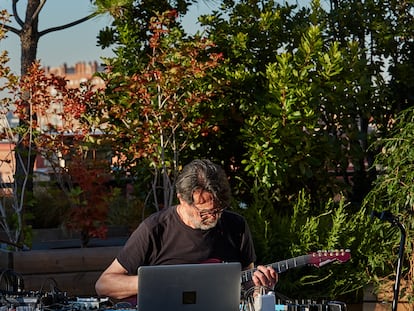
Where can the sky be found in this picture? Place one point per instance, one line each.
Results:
(74, 44)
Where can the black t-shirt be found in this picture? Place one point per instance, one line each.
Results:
(163, 238)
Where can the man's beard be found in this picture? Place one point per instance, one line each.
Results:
(204, 224)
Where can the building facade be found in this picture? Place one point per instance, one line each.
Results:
(79, 73)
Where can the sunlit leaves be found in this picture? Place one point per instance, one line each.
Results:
(161, 108)
(42, 97)
(286, 138)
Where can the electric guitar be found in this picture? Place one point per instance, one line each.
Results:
(317, 259)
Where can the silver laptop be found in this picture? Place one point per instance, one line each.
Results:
(189, 287)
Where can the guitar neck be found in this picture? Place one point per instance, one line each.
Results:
(316, 259)
(279, 267)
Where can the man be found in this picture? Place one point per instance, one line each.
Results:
(199, 229)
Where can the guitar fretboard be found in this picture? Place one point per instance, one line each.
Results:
(279, 267)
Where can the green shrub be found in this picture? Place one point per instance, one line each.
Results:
(282, 235)
(125, 210)
(50, 207)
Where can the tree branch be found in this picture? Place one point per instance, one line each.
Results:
(39, 8)
(10, 28)
(16, 14)
(74, 23)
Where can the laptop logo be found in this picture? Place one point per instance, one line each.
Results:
(189, 298)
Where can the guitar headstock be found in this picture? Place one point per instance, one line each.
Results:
(321, 258)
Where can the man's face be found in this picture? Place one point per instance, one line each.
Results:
(203, 213)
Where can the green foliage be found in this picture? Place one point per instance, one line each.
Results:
(293, 100)
(249, 34)
(292, 148)
(334, 226)
(126, 209)
(51, 205)
(394, 190)
(128, 33)
(295, 95)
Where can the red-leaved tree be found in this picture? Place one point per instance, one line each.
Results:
(155, 113)
(59, 132)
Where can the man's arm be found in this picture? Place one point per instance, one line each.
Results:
(114, 282)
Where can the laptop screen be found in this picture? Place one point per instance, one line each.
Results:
(195, 287)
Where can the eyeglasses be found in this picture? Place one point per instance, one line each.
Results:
(210, 212)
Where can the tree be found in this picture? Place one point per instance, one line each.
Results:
(64, 137)
(377, 29)
(10, 216)
(292, 88)
(29, 35)
(153, 114)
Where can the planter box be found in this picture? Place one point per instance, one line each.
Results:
(375, 302)
(71, 270)
(380, 306)
(54, 238)
(57, 260)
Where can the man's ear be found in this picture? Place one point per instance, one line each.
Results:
(180, 198)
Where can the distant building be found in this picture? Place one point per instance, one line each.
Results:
(80, 73)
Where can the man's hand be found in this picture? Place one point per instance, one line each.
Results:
(265, 276)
